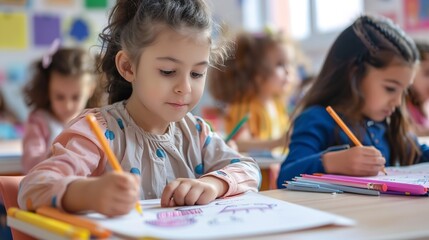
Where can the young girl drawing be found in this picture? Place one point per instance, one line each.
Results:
(418, 94)
(364, 78)
(63, 85)
(156, 54)
(254, 82)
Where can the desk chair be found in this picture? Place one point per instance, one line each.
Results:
(9, 192)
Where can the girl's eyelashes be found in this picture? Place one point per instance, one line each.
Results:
(172, 72)
(76, 97)
(197, 75)
(166, 72)
(59, 97)
(390, 89)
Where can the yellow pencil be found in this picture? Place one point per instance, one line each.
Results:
(94, 228)
(49, 224)
(110, 156)
(343, 126)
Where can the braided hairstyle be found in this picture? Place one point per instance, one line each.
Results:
(370, 41)
(135, 24)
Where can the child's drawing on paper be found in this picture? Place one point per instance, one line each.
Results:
(184, 216)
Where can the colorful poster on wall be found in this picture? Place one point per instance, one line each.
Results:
(416, 15)
(59, 2)
(46, 28)
(78, 29)
(13, 2)
(13, 30)
(96, 3)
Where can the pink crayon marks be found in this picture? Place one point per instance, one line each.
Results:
(175, 218)
(248, 207)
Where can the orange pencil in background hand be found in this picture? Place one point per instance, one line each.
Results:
(344, 127)
(110, 155)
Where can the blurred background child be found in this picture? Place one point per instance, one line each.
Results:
(254, 82)
(418, 93)
(63, 85)
(10, 128)
(364, 78)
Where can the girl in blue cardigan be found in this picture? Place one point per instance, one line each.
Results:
(364, 78)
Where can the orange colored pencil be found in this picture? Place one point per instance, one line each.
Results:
(110, 155)
(344, 127)
(77, 221)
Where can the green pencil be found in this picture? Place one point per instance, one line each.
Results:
(237, 127)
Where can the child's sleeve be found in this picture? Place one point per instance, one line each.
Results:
(35, 143)
(75, 155)
(219, 160)
(311, 136)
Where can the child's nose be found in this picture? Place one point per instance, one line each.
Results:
(69, 105)
(183, 86)
(397, 100)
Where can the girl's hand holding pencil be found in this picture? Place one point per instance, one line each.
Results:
(362, 161)
(125, 188)
(356, 161)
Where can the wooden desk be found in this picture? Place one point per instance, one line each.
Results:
(383, 217)
(10, 157)
(270, 167)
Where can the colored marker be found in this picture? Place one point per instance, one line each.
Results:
(94, 228)
(237, 127)
(49, 224)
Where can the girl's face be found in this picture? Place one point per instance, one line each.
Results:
(169, 79)
(383, 90)
(68, 95)
(421, 82)
(277, 82)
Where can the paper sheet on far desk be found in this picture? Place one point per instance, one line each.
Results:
(249, 214)
(413, 174)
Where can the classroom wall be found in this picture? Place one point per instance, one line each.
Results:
(411, 15)
(34, 19)
(27, 29)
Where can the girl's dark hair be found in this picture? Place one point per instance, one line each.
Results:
(369, 41)
(423, 48)
(67, 62)
(134, 25)
(237, 78)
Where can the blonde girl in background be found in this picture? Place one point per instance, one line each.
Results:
(63, 85)
(254, 82)
(155, 58)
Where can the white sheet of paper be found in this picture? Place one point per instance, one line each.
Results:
(248, 214)
(413, 174)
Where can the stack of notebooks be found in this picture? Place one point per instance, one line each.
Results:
(400, 182)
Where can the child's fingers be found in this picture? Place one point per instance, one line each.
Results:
(206, 197)
(127, 181)
(180, 193)
(193, 195)
(168, 193)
